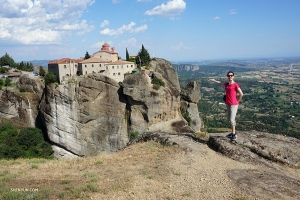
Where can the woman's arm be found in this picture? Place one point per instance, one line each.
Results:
(240, 92)
(215, 81)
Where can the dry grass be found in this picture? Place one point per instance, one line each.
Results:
(80, 178)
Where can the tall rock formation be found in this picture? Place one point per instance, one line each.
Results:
(85, 117)
(91, 114)
(190, 96)
(155, 109)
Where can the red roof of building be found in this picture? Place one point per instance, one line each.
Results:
(64, 60)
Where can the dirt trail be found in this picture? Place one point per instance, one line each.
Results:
(186, 168)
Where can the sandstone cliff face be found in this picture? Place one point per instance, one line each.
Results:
(21, 108)
(152, 109)
(85, 118)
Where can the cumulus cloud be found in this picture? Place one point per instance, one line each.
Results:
(125, 28)
(128, 43)
(42, 22)
(98, 45)
(104, 23)
(173, 7)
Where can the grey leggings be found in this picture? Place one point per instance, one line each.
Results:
(232, 110)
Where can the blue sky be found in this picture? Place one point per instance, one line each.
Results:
(177, 30)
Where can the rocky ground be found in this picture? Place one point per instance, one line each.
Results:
(169, 166)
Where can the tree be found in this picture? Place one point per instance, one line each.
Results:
(42, 71)
(143, 57)
(87, 55)
(50, 78)
(127, 55)
(7, 82)
(7, 60)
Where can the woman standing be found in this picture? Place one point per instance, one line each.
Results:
(232, 101)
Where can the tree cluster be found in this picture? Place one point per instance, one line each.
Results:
(25, 143)
(7, 60)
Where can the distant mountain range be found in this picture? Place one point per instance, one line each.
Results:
(43, 63)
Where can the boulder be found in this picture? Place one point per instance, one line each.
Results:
(191, 92)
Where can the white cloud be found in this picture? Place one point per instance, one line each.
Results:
(217, 18)
(139, 29)
(143, 0)
(128, 43)
(98, 45)
(233, 11)
(42, 22)
(124, 28)
(115, 1)
(173, 7)
(104, 23)
(178, 47)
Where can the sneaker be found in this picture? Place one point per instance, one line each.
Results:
(234, 136)
(229, 135)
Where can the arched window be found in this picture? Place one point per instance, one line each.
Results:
(113, 67)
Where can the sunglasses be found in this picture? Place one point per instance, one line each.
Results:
(230, 75)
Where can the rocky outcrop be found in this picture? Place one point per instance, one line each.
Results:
(33, 85)
(155, 109)
(190, 96)
(18, 108)
(85, 117)
(259, 147)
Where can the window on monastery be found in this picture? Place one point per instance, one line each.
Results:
(114, 74)
(65, 66)
(119, 73)
(92, 65)
(127, 66)
(113, 67)
(131, 66)
(118, 67)
(106, 67)
(85, 65)
(100, 65)
(76, 66)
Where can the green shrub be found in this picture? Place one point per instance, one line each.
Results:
(50, 78)
(22, 89)
(157, 83)
(186, 115)
(134, 135)
(7, 82)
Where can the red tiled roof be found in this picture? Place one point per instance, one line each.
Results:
(64, 60)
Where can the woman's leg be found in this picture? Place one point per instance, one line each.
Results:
(232, 110)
